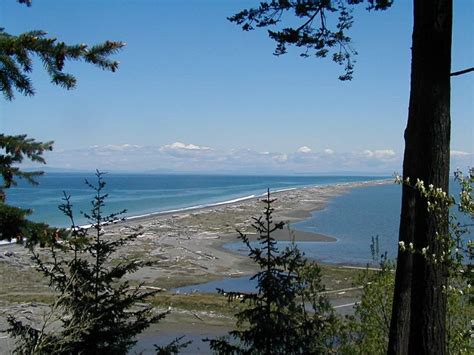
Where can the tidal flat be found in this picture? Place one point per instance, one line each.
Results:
(186, 248)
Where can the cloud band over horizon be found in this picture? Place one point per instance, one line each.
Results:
(186, 157)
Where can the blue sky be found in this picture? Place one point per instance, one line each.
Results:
(195, 93)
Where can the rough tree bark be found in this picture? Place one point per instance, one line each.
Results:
(419, 307)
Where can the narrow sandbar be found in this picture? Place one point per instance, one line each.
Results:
(188, 245)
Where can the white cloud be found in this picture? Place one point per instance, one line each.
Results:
(459, 153)
(281, 157)
(461, 160)
(304, 149)
(118, 147)
(186, 157)
(379, 154)
(182, 146)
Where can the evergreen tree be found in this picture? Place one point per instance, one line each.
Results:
(13, 222)
(316, 35)
(99, 313)
(16, 53)
(418, 323)
(288, 314)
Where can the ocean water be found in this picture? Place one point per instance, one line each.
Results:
(353, 218)
(143, 194)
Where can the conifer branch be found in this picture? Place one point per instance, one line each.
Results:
(321, 39)
(461, 72)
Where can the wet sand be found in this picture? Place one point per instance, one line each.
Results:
(186, 247)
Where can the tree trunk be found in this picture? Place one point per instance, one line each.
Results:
(419, 306)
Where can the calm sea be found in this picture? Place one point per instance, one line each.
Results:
(143, 194)
(353, 218)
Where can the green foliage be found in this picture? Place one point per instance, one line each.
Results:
(317, 33)
(368, 330)
(288, 314)
(13, 224)
(14, 150)
(461, 271)
(455, 252)
(13, 220)
(172, 348)
(98, 312)
(16, 63)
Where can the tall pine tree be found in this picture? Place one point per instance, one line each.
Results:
(419, 307)
(287, 314)
(98, 312)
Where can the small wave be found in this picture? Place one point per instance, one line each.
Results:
(288, 189)
(232, 201)
(6, 242)
(196, 207)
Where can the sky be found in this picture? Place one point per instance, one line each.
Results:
(194, 93)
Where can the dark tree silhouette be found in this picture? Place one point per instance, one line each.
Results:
(16, 63)
(98, 311)
(287, 314)
(419, 308)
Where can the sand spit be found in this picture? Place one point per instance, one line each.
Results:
(186, 247)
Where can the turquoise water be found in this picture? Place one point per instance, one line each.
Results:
(143, 194)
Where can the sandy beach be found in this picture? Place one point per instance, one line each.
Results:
(186, 247)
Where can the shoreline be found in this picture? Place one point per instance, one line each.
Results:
(190, 243)
(203, 206)
(295, 216)
(251, 197)
(187, 247)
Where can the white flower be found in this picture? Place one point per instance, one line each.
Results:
(402, 245)
(411, 246)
